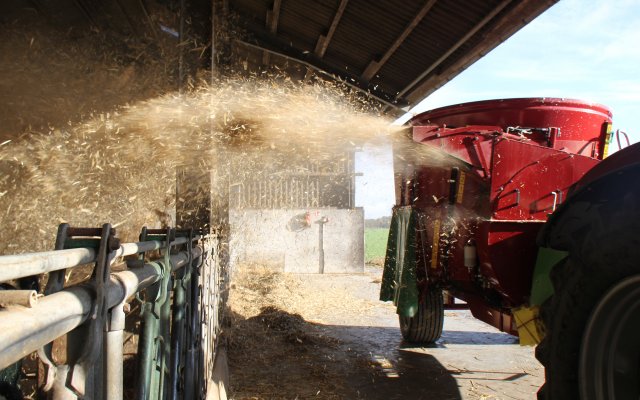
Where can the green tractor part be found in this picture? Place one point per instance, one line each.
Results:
(399, 275)
(530, 326)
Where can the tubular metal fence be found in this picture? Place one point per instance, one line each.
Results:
(173, 277)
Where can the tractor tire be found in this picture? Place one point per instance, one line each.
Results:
(426, 326)
(590, 350)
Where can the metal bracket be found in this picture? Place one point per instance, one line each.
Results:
(154, 349)
(557, 199)
(71, 380)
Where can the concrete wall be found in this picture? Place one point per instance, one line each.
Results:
(283, 240)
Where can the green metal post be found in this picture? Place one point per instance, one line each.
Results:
(177, 333)
(147, 352)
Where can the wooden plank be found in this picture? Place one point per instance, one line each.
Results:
(272, 23)
(272, 18)
(324, 40)
(455, 47)
(375, 65)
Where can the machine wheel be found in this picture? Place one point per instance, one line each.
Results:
(590, 350)
(610, 360)
(426, 326)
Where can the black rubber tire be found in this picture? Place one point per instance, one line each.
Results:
(604, 249)
(426, 326)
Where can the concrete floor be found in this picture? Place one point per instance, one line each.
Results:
(472, 360)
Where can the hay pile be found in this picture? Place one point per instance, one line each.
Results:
(275, 351)
(53, 78)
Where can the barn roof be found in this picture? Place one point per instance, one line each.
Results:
(398, 51)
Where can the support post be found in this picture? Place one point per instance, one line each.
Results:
(202, 203)
(177, 331)
(321, 223)
(114, 357)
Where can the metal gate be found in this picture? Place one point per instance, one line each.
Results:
(172, 278)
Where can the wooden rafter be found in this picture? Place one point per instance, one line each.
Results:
(375, 65)
(455, 47)
(281, 48)
(508, 24)
(324, 40)
(273, 16)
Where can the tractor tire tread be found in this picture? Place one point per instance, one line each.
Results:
(606, 253)
(426, 326)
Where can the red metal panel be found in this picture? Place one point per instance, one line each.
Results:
(581, 124)
(454, 219)
(507, 253)
(471, 144)
(527, 179)
(492, 316)
(429, 195)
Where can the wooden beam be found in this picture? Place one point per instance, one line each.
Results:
(277, 46)
(324, 40)
(273, 16)
(375, 65)
(456, 46)
(520, 15)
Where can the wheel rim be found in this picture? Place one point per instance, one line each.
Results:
(610, 354)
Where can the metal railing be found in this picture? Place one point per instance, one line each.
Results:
(78, 329)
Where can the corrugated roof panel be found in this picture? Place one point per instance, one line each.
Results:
(469, 44)
(305, 22)
(441, 29)
(256, 10)
(368, 29)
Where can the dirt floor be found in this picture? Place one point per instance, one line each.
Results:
(327, 337)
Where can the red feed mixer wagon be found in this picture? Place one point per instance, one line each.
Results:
(512, 216)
